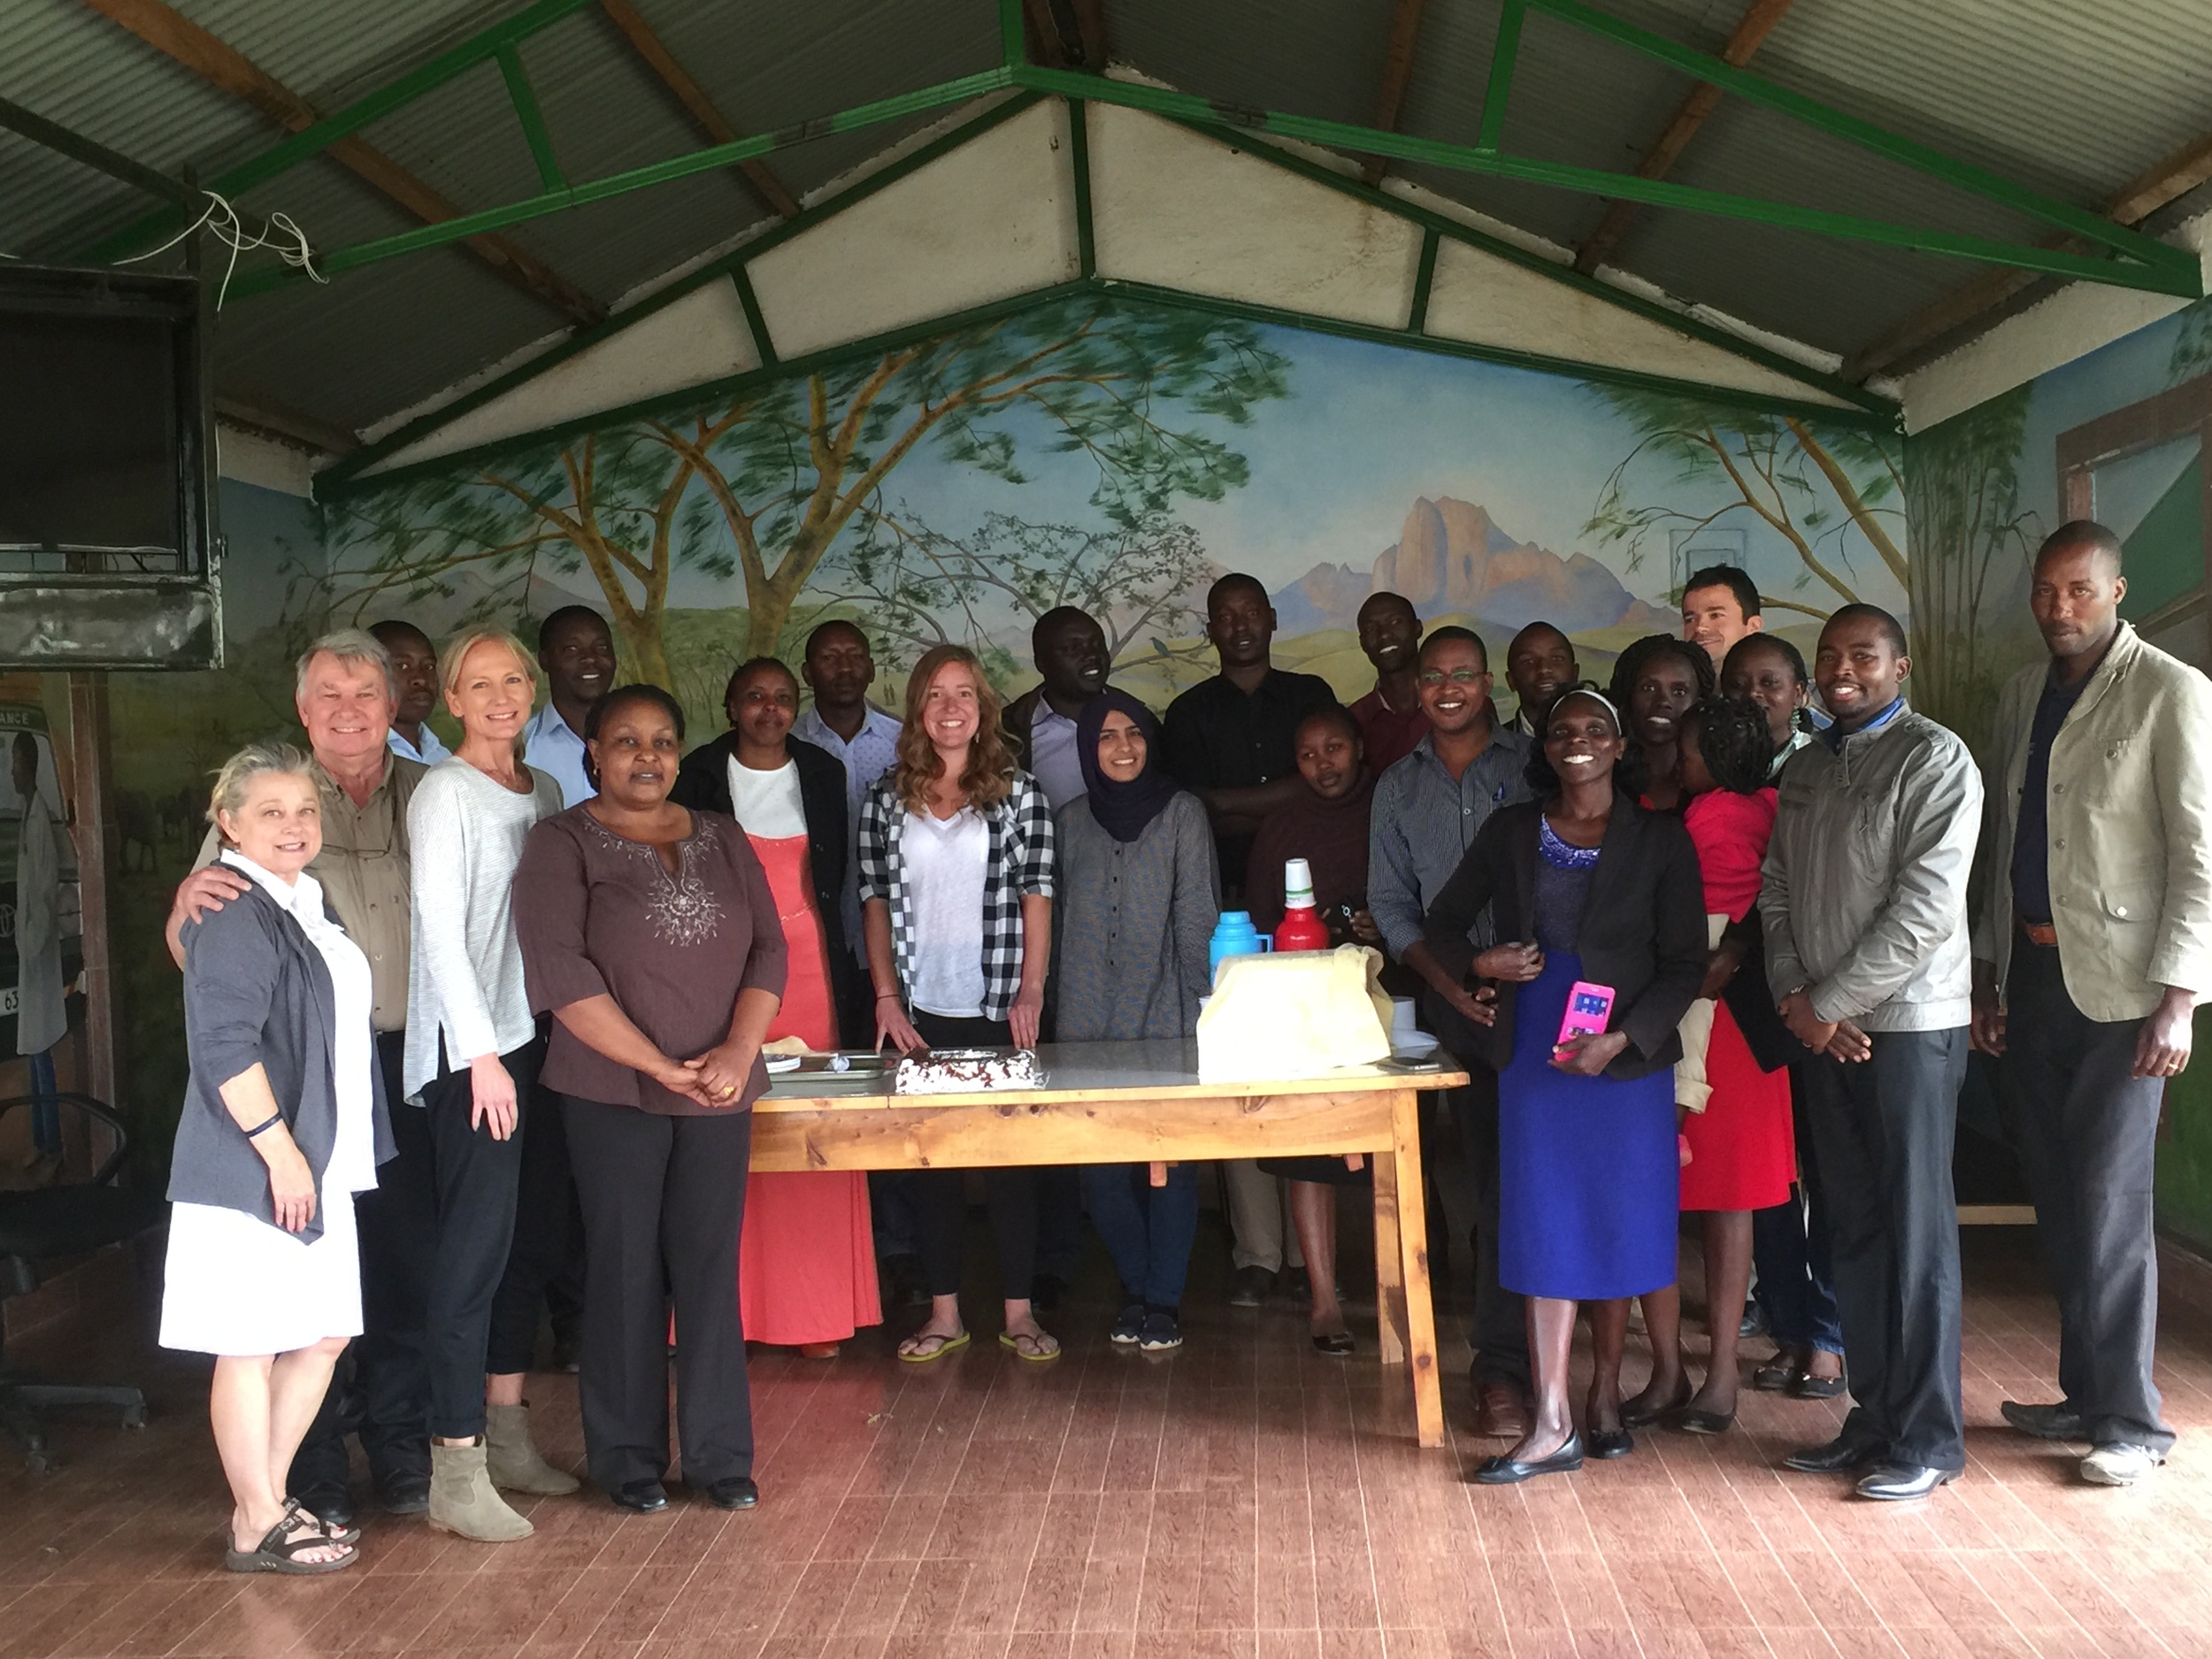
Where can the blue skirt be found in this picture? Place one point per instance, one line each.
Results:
(1589, 1177)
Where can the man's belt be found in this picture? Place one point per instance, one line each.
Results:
(2039, 934)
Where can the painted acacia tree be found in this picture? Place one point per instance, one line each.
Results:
(1971, 540)
(760, 484)
(1833, 492)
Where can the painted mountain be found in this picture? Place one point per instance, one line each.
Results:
(1452, 556)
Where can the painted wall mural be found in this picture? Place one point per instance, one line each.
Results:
(1120, 456)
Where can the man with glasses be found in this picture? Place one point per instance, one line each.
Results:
(1426, 810)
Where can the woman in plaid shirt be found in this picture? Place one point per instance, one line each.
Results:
(955, 892)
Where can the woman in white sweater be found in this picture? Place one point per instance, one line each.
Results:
(473, 1052)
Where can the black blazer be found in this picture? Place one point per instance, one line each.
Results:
(702, 781)
(1643, 934)
(256, 991)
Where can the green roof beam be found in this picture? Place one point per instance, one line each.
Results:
(2150, 265)
(314, 141)
(1496, 95)
(1013, 40)
(709, 160)
(1758, 89)
(534, 132)
(1079, 163)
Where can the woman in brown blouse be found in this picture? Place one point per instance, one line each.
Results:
(648, 931)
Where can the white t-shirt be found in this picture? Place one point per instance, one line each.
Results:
(767, 804)
(946, 861)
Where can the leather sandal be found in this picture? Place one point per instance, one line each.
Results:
(282, 1546)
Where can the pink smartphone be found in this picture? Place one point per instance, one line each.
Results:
(1588, 1008)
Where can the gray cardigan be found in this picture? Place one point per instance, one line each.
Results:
(256, 991)
(1131, 924)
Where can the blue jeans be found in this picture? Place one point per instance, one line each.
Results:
(1148, 1230)
(1789, 1243)
(45, 1110)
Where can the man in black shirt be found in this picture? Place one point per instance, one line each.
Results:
(1232, 741)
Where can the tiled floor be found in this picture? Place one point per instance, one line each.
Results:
(1246, 1496)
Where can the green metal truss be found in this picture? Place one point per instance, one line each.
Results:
(345, 479)
(2128, 258)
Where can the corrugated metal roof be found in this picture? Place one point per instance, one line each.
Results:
(2069, 99)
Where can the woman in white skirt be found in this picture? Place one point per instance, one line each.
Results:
(283, 1122)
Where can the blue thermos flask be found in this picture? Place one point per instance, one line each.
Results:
(1234, 936)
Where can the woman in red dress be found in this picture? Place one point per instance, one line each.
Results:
(1741, 1153)
(806, 1262)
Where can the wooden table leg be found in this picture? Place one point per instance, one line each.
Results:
(1418, 1311)
(1390, 1288)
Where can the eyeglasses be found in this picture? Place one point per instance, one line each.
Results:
(1457, 677)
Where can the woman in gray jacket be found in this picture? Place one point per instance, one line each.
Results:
(283, 1123)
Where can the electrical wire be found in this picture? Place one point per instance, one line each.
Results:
(222, 219)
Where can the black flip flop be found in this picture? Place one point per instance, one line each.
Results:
(1334, 1343)
(279, 1550)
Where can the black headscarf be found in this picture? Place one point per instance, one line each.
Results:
(1122, 809)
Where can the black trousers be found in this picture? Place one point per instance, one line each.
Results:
(1499, 1335)
(478, 1180)
(664, 1201)
(940, 1196)
(2085, 1130)
(544, 1262)
(381, 1387)
(1884, 1130)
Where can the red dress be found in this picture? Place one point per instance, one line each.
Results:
(806, 1262)
(1743, 1152)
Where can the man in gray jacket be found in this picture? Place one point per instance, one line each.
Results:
(2094, 944)
(1864, 904)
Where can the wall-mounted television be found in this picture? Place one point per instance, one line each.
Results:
(107, 470)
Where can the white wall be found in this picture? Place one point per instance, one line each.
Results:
(1170, 207)
(2071, 323)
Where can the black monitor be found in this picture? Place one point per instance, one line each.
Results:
(107, 470)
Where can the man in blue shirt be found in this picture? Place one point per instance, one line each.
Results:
(1426, 810)
(576, 651)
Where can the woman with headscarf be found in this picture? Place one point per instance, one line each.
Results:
(1586, 889)
(1139, 896)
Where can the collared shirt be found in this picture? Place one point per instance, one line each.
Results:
(1053, 761)
(1422, 823)
(1388, 735)
(364, 870)
(1019, 863)
(1799, 738)
(2031, 832)
(1219, 737)
(428, 753)
(551, 746)
(867, 759)
(1832, 733)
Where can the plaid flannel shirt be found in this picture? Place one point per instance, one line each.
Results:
(1020, 865)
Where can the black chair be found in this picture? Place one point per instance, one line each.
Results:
(75, 1219)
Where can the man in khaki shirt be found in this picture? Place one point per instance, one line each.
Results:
(346, 695)
(2093, 944)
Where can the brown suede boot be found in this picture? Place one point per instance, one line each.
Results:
(513, 1461)
(462, 1500)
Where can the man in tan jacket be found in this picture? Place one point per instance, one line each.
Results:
(2094, 943)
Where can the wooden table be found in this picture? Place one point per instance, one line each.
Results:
(1142, 1103)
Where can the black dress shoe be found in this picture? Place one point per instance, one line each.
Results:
(1510, 1471)
(405, 1493)
(641, 1497)
(1838, 1456)
(1693, 1420)
(1610, 1443)
(332, 1506)
(1896, 1483)
(2045, 1423)
(736, 1493)
(1634, 1416)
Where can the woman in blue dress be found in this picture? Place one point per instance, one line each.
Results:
(1582, 885)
